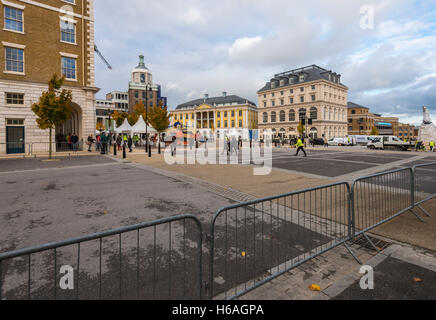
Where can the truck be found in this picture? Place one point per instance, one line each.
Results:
(389, 142)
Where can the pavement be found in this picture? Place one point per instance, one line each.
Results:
(51, 201)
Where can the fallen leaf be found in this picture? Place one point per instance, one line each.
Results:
(315, 287)
(244, 254)
(417, 279)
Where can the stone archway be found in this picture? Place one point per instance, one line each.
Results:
(73, 125)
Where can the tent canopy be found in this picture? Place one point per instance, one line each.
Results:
(125, 127)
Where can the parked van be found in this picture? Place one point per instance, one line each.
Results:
(389, 142)
(338, 142)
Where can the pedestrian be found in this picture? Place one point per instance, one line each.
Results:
(98, 147)
(119, 142)
(300, 146)
(130, 143)
(326, 143)
(173, 145)
(432, 146)
(74, 140)
(103, 143)
(90, 142)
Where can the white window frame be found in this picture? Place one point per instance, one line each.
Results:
(72, 21)
(14, 46)
(70, 56)
(14, 6)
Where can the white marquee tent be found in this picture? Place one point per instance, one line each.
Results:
(141, 127)
(124, 128)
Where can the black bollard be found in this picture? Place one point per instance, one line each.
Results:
(124, 151)
(149, 150)
(115, 149)
(159, 149)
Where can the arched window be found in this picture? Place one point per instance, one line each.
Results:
(302, 112)
(282, 116)
(291, 115)
(265, 117)
(273, 117)
(314, 113)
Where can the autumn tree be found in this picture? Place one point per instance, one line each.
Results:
(374, 132)
(301, 129)
(100, 126)
(159, 118)
(53, 107)
(119, 117)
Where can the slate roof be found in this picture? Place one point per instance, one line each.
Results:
(355, 105)
(311, 73)
(226, 100)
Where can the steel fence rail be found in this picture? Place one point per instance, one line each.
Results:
(379, 198)
(424, 185)
(424, 182)
(260, 240)
(15, 148)
(137, 273)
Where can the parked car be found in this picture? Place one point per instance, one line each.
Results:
(317, 142)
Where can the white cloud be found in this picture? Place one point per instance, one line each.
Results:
(195, 47)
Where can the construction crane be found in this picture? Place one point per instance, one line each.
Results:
(102, 57)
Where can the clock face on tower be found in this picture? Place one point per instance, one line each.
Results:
(143, 78)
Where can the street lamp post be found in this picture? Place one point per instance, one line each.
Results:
(146, 119)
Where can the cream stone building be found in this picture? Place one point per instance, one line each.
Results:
(219, 114)
(38, 39)
(309, 93)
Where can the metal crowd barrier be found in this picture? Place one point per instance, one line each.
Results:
(251, 243)
(257, 241)
(16, 148)
(379, 198)
(424, 185)
(154, 260)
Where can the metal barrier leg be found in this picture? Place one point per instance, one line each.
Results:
(425, 211)
(370, 242)
(419, 218)
(352, 253)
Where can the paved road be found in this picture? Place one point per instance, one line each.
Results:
(86, 195)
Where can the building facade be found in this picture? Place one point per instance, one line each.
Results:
(142, 89)
(39, 39)
(220, 114)
(312, 94)
(360, 120)
(104, 108)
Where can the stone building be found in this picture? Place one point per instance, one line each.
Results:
(309, 93)
(220, 114)
(104, 108)
(38, 39)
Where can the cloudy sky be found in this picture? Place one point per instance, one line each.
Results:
(194, 47)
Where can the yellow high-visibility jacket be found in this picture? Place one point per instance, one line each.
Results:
(299, 143)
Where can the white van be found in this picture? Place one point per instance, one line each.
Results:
(338, 142)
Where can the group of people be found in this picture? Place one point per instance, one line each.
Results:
(104, 142)
(69, 141)
(421, 147)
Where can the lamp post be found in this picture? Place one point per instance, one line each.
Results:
(146, 118)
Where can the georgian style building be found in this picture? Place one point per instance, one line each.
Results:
(309, 93)
(220, 114)
(38, 39)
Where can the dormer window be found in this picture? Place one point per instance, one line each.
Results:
(302, 78)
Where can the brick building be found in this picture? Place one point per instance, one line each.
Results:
(142, 88)
(38, 39)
